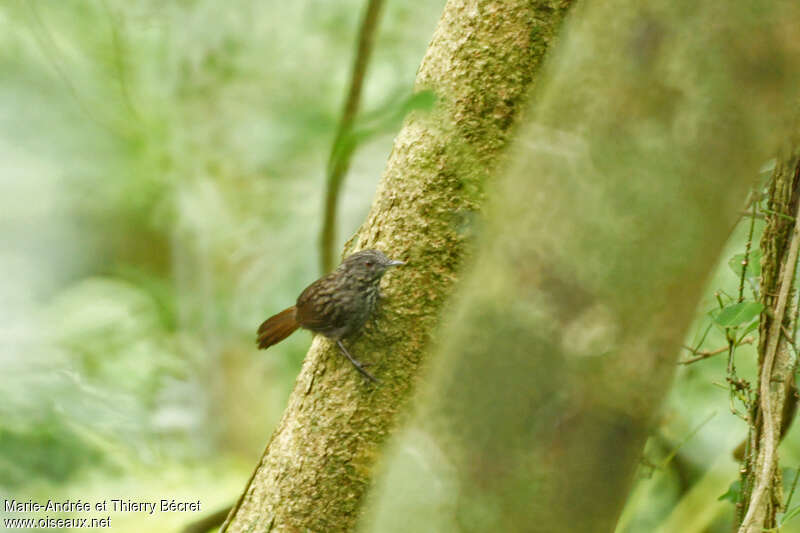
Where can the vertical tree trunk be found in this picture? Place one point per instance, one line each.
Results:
(481, 64)
(762, 495)
(630, 173)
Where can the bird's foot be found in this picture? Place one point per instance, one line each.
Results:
(359, 366)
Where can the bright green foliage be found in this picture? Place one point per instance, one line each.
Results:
(738, 314)
(753, 264)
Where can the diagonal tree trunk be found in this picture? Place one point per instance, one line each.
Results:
(481, 64)
(630, 173)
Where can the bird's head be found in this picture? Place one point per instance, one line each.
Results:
(369, 264)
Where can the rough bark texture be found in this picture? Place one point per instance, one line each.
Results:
(653, 123)
(481, 63)
(763, 497)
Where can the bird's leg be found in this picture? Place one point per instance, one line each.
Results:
(359, 366)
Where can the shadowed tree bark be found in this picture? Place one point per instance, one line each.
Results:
(629, 174)
(318, 464)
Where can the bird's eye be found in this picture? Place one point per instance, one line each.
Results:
(368, 263)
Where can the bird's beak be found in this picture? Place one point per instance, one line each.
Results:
(396, 263)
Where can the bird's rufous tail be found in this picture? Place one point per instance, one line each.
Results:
(276, 328)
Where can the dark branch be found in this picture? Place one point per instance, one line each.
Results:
(343, 143)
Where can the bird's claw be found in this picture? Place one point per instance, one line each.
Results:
(359, 366)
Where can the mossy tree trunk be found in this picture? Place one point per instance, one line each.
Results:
(762, 497)
(481, 64)
(630, 173)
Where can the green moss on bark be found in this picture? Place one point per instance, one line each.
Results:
(481, 64)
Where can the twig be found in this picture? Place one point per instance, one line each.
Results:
(777, 214)
(686, 439)
(739, 388)
(208, 522)
(701, 341)
(791, 491)
(746, 261)
(759, 216)
(705, 354)
(343, 145)
(788, 336)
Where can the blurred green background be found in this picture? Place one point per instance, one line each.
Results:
(161, 186)
(161, 181)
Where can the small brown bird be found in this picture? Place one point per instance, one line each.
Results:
(336, 306)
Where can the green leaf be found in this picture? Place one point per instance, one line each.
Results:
(737, 314)
(753, 264)
(733, 494)
(768, 166)
(748, 329)
(390, 116)
(386, 119)
(423, 100)
(790, 514)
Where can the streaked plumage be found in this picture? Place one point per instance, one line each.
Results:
(336, 306)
